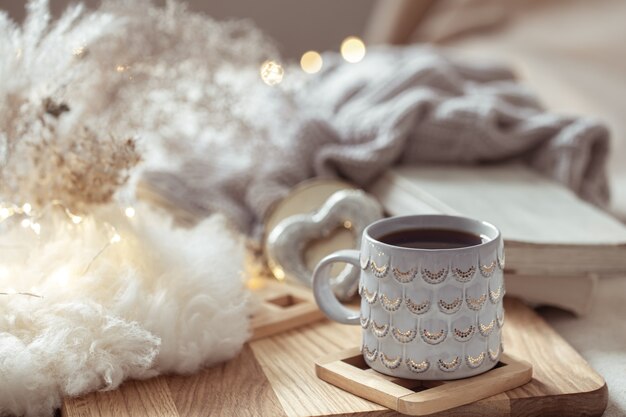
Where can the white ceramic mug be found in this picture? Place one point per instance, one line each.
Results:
(431, 314)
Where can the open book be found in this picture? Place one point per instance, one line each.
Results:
(556, 244)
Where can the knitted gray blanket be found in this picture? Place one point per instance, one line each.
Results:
(401, 105)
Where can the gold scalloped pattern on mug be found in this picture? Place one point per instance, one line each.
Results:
(488, 270)
(370, 296)
(434, 277)
(389, 362)
(365, 262)
(370, 355)
(365, 322)
(475, 361)
(378, 329)
(417, 308)
(486, 329)
(494, 296)
(493, 354)
(451, 307)
(464, 335)
(464, 276)
(388, 304)
(404, 277)
(433, 338)
(475, 303)
(378, 271)
(449, 366)
(417, 367)
(405, 336)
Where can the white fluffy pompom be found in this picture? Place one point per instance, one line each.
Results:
(162, 299)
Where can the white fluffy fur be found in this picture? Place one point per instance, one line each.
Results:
(163, 299)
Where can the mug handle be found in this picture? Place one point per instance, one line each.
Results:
(324, 295)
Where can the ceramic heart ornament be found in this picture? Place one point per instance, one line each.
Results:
(287, 242)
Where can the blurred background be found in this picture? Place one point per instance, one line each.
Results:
(297, 26)
(571, 52)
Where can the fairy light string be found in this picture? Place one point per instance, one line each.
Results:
(30, 220)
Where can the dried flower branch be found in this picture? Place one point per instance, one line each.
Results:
(79, 168)
(75, 89)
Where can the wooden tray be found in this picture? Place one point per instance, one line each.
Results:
(283, 307)
(348, 370)
(275, 376)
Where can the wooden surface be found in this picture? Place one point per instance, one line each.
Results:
(282, 307)
(349, 371)
(275, 376)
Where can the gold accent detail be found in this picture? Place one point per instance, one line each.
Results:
(416, 308)
(486, 330)
(365, 322)
(390, 363)
(417, 367)
(370, 297)
(449, 366)
(487, 270)
(370, 355)
(403, 336)
(464, 276)
(476, 303)
(388, 304)
(433, 338)
(494, 296)
(464, 335)
(378, 271)
(450, 308)
(475, 362)
(434, 277)
(379, 330)
(404, 277)
(493, 354)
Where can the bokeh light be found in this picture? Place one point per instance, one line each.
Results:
(271, 72)
(311, 62)
(352, 49)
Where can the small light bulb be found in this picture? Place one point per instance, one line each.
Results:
(278, 272)
(271, 72)
(25, 223)
(116, 238)
(352, 49)
(26, 208)
(130, 212)
(73, 217)
(36, 228)
(311, 62)
(5, 213)
(120, 68)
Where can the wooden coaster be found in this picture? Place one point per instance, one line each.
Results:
(348, 371)
(283, 307)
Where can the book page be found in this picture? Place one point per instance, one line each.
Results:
(526, 206)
